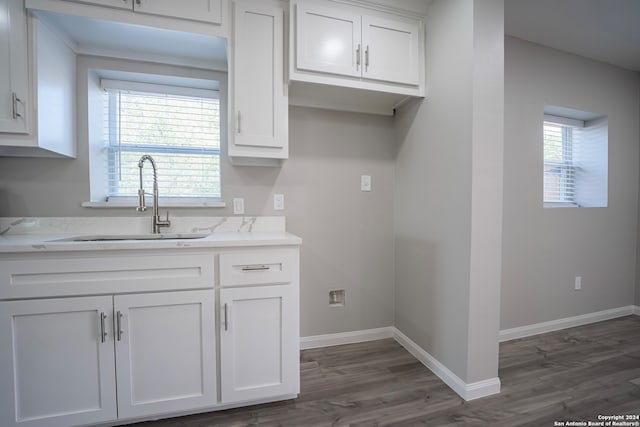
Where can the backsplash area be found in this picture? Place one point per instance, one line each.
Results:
(129, 225)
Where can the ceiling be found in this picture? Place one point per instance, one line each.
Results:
(604, 30)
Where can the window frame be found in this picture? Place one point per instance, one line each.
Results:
(568, 168)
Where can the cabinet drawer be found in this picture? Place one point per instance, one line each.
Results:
(37, 277)
(255, 268)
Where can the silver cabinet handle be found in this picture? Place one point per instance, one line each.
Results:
(15, 100)
(358, 57)
(238, 123)
(255, 268)
(119, 330)
(366, 58)
(226, 318)
(103, 330)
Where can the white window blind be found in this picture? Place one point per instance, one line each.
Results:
(179, 127)
(559, 167)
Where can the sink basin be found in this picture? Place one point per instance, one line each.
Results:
(117, 237)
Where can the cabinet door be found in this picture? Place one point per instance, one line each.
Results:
(328, 40)
(56, 366)
(391, 50)
(165, 352)
(120, 4)
(195, 10)
(261, 104)
(259, 346)
(14, 67)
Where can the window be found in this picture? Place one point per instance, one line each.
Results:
(179, 127)
(575, 158)
(559, 169)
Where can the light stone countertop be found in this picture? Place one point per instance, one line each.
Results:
(20, 235)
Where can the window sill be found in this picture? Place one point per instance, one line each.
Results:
(163, 204)
(553, 205)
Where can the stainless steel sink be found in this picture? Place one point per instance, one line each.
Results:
(117, 237)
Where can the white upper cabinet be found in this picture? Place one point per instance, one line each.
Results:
(354, 55)
(206, 17)
(120, 4)
(329, 40)
(14, 68)
(391, 50)
(196, 10)
(258, 102)
(49, 104)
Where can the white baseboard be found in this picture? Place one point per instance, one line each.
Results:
(567, 322)
(468, 391)
(353, 337)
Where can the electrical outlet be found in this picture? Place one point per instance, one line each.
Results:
(238, 206)
(278, 202)
(365, 183)
(578, 283)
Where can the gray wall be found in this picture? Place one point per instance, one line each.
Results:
(544, 249)
(448, 230)
(347, 234)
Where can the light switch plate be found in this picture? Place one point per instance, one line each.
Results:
(278, 202)
(238, 206)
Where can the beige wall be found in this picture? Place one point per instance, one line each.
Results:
(544, 249)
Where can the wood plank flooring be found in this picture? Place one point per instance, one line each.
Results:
(575, 374)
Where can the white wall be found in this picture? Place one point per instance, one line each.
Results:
(448, 192)
(544, 249)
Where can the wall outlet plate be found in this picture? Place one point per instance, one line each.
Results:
(238, 206)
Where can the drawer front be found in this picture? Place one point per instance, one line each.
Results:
(37, 277)
(256, 268)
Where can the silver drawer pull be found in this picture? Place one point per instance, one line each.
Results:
(103, 330)
(256, 268)
(119, 325)
(226, 319)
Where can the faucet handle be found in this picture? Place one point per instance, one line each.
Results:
(164, 222)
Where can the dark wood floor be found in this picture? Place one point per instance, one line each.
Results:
(575, 374)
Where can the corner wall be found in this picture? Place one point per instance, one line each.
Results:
(448, 193)
(544, 249)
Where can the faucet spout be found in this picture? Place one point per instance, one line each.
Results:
(157, 222)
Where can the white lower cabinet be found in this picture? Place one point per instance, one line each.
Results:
(58, 366)
(55, 371)
(165, 352)
(100, 339)
(259, 350)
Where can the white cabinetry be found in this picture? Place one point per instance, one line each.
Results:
(258, 101)
(259, 332)
(54, 369)
(50, 103)
(14, 68)
(391, 50)
(204, 17)
(58, 366)
(196, 10)
(375, 57)
(165, 352)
